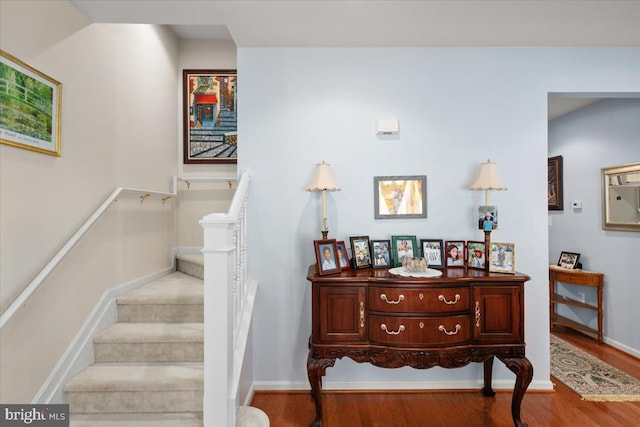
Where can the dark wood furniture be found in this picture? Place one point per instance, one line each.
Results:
(578, 278)
(390, 321)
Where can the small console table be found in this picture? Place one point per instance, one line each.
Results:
(579, 278)
(464, 316)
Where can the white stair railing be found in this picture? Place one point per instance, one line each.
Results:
(228, 306)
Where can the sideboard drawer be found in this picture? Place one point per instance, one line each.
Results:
(419, 331)
(418, 300)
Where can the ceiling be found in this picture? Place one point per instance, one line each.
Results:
(393, 23)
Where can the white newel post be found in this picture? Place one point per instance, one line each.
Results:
(219, 408)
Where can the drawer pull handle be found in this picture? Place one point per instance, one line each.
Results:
(384, 328)
(456, 298)
(441, 328)
(362, 314)
(388, 301)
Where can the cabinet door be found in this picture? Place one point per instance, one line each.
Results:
(342, 313)
(498, 314)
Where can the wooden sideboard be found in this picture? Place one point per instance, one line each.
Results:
(375, 317)
(577, 278)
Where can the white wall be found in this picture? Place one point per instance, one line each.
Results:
(456, 108)
(601, 135)
(118, 105)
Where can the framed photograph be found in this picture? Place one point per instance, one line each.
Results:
(433, 251)
(210, 122)
(455, 253)
(360, 251)
(400, 197)
(31, 107)
(502, 257)
(382, 257)
(403, 247)
(327, 256)
(568, 260)
(476, 255)
(487, 218)
(555, 196)
(343, 256)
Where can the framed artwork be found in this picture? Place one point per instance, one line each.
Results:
(555, 196)
(403, 247)
(382, 256)
(487, 218)
(31, 107)
(210, 122)
(476, 254)
(502, 257)
(455, 253)
(400, 197)
(433, 251)
(360, 251)
(568, 260)
(327, 256)
(343, 256)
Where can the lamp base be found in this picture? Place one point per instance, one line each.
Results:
(325, 234)
(487, 249)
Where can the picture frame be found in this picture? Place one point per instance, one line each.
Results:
(361, 251)
(568, 260)
(502, 257)
(403, 247)
(343, 255)
(382, 254)
(433, 251)
(32, 107)
(327, 256)
(400, 197)
(555, 192)
(455, 253)
(476, 254)
(210, 127)
(487, 218)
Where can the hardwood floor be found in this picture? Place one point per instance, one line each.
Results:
(461, 408)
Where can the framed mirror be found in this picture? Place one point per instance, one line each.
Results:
(621, 197)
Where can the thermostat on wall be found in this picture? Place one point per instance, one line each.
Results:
(386, 127)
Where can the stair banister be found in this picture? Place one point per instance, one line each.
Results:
(228, 305)
(75, 238)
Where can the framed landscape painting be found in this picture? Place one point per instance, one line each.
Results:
(210, 122)
(31, 107)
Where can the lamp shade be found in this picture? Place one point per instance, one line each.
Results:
(322, 179)
(488, 178)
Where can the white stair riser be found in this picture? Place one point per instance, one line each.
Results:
(160, 312)
(150, 352)
(135, 401)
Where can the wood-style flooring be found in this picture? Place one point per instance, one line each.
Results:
(560, 408)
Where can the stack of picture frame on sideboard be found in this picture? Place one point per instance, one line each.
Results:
(332, 255)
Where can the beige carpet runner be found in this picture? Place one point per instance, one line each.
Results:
(591, 378)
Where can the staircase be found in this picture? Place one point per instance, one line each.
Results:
(148, 368)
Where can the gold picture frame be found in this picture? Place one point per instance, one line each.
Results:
(32, 107)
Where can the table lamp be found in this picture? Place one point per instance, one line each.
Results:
(487, 180)
(323, 181)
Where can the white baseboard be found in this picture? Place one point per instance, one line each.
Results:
(79, 354)
(622, 347)
(538, 385)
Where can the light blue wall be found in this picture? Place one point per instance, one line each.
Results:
(456, 108)
(601, 135)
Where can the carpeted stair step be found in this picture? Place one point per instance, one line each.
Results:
(182, 419)
(150, 342)
(137, 388)
(191, 264)
(177, 297)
